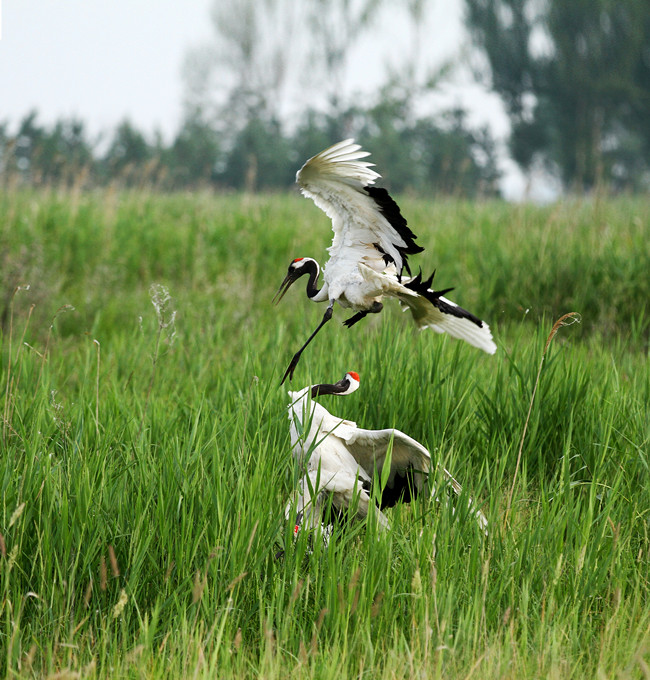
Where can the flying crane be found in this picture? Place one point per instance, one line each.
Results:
(369, 253)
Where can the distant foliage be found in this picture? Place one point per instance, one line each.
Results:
(420, 155)
(575, 81)
(42, 155)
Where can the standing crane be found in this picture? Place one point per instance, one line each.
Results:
(369, 253)
(344, 461)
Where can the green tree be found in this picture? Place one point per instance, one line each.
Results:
(427, 154)
(64, 154)
(27, 141)
(5, 148)
(193, 155)
(127, 154)
(263, 55)
(259, 158)
(574, 80)
(42, 155)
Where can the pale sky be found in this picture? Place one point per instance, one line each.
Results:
(107, 60)
(101, 60)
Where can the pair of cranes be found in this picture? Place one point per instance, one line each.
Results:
(368, 258)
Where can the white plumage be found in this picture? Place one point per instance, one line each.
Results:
(342, 461)
(369, 252)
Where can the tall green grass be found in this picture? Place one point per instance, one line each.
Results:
(145, 457)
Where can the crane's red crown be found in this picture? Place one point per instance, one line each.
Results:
(299, 259)
(355, 376)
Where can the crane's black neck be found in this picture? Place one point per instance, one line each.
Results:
(311, 267)
(340, 387)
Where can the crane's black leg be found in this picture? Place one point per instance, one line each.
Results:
(375, 309)
(296, 357)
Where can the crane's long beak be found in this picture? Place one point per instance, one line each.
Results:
(284, 287)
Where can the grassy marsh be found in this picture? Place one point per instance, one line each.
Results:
(145, 460)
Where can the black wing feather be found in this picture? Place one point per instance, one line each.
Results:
(390, 210)
(433, 296)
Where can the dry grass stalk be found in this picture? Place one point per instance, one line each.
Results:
(16, 514)
(250, 540)
(160, 299)
(199, 586)
(60, 310)
(103, 577)
(313, 645)
(296, 591)
(376, 604)
(113, 559)
(28, 660)
(121, 603)
(236, 580)
(97, 391)
(88, 593)
(236, 643)
(6, 416)
(565, 320)
(352, 588)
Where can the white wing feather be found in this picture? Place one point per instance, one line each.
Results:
(339, 163)
(370, 448)
(335, 179)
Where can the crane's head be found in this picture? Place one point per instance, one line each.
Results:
(297, 268)
(348, 384)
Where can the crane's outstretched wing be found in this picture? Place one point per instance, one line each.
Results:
(367, 223)
(410, 462)
(410, 466)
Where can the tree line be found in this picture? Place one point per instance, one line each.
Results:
(442, 153)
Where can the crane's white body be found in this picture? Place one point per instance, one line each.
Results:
(330, 468)
(368, 251)
(341, 461)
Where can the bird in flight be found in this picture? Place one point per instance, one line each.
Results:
(344, 462)
(369, 253)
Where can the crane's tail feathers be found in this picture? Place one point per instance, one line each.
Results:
(341, 162)
(430, 309)
(461, 329)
